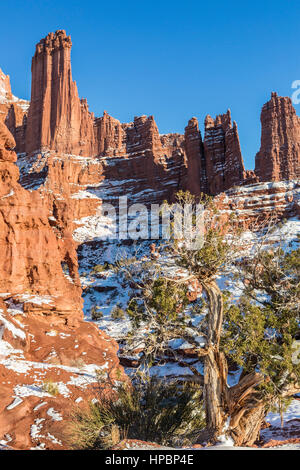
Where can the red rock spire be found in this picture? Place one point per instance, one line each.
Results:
(224, 161)
(279, 154)
(196, 168)
(57, 118)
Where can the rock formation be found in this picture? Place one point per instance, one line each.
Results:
(110, 137)
(13, 111)
(32, 256)
(47, 370)
(5, 88)
(260, 202)
(41, 318)
(72, 164)
(59, 123)
(279, 155)
(224, 162)
(196, 179)
(57, 119)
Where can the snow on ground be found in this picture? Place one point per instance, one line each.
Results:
(106, 289)
(16, 332)
(293, 412)
(286, 428)
(36, 433)
(55, 415)
(97, 226)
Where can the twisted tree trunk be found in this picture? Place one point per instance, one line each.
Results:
(215, 367)
(238, 409)
(246, 410)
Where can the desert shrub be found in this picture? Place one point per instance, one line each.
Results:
(117, 312)
(50, 387)
(100, 268)
(96, 313)
(151, 410)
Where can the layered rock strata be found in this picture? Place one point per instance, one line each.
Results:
(223, 157)
(279, 155)
(49, 356)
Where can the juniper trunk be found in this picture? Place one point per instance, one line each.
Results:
(240, 405)
(215, 369)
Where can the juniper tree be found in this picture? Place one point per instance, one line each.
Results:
(260, 335)
(257, 332)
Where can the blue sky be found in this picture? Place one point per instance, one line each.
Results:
(173, 59)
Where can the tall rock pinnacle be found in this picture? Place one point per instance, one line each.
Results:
(196, 167)
(224, 161)
(57, 119)
(279, 154)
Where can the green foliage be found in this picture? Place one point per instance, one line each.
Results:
(208, 261)
(100, 268)
(160, 299)
(118, 313)
(260, 330)
(159, 308)
(150, 410)
(96, 313)
(167, 300)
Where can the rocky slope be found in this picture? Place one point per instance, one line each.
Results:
(262, 201)
(41, 320)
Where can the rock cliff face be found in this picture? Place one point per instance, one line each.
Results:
(150, 167)
(32, 256)
(224, 162)
(47, 369)
(279, 154)
(110, 136)
(262, 201)
(13, 111)
(57, 119)
(196, 179)
(5, 88)
(41, 317)
(58, 122)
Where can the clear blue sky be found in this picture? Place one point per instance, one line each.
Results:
(173, 59)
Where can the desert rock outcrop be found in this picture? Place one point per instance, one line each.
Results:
(279, 155)
(57, 119)
(223, 157)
